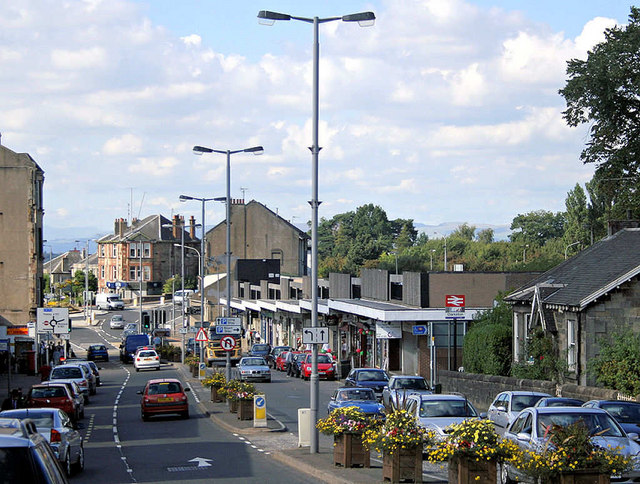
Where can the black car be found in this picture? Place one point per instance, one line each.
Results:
(296, 366)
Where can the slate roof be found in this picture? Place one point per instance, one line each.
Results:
(588, 275)
(151, 228)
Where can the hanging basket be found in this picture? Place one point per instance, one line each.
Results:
(348, 450)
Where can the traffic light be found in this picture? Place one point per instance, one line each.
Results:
(146, 320)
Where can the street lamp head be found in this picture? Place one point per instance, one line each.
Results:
(256, 150)
(364, 19)
(198, 150)
(184, 198)
(269, 18)
(220, 199)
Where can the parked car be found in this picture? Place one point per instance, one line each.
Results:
(26, 456)
(146, 359)
(437, 412)
(56, 427)
(326, 368)
(363, 398)
(97, 352)
(374, 378)
(95, 370)
(296, 364)
(506, 406)
(75, 392)
(77, 373)
(254, 368)
(627, 414)
(116, 322)
(91, 376)
(402, 386)
(53, 396)
(275, 352)
(529, 428)
(281, 363)
(260, 349)
(164, 396)
(559, 402)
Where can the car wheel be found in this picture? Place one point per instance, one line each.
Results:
(185, 414)
(504, 475)
(79, 465)
(144, 416)
(67, 464)
(137, 369)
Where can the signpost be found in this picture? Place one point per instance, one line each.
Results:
(315, 336)
(259, 411)
(228, 330)
(228, 343)
(420, 330)
(202, 338)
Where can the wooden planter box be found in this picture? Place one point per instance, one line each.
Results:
(214, 395)
(348, 451)
(403, 464)
(245, 409)
(468, 470)
(233, 406)
(584, 477)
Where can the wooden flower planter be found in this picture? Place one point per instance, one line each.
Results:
(464, 470)
(245, 409)
(584, 477)
(214, 395)
(348, 451)
(403, 464)
(233, 406)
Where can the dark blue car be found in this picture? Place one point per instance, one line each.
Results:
(97, 352)
(260, 349)
(363, 398)
(627, 414)
(373, 378)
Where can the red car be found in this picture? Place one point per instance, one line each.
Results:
(52, 395)
(280, 361)
(326, 369)
(164, 396)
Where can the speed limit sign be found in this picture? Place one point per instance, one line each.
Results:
(228, 343)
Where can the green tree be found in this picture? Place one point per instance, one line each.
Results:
(537, 227)
(464, 231)
(485, 236)
(576, 228)
(543, 362)
(618, 364)
(77, 285)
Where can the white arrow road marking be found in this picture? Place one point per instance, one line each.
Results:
(202, 462)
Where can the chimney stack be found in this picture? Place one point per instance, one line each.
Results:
(176, 220)
(192, 227)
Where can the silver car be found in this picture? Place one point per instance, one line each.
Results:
(77, 373)
(117, 322)
(507, 405)
(402, 386)
(530, 425)
(436, 412)
(55, 426)
(76, 394)
(254, 368)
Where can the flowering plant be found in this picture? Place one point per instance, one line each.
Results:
(569, 448)
(217, 380)
(475, 439)
(243, 391)
(400, 430)
(344, 419)
(228, 389)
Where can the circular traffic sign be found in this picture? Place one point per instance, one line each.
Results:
(259, 402)
(228, 343)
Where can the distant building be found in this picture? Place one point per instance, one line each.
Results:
(21, 213)
(60, 268)
(150, 243)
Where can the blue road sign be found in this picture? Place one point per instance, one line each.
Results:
(420, 330)
(259, 402)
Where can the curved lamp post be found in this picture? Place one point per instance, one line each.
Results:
(256, 150)
(364, 19)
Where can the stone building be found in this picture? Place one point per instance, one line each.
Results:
(21, 214)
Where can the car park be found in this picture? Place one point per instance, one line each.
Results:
(254, 368)
(116, 322)
(529, 429)
(26, 456)
(53, 396)
(164, 396)
(56, 427)
(559, 402)
(374, 378)
(275, 352)
(506, 406)
(627, 414)
(97, 352)
(75, 392)
(402, 386)
(77, 373)
(326, 368)
(437, 411)
(146, 358)
(362, 398)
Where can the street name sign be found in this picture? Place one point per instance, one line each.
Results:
(315, 336)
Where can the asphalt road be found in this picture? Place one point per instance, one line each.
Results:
(121, 448)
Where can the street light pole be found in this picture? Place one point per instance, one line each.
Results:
(184, 324)
(364, 19)
(256, 150)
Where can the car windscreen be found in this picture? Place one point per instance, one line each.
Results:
(446, 408)
(409, 384)
(40, 418)
(597, 423)
(623, 412)
(359, 394)
(520, 402)
(253, 362)
(66, 372)
(48, 392)
(97, 348)
(372, 375)
(147, 354)
(260, 348)
(163, 387)
(324, 359)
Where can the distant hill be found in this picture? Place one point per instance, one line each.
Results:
(500, 232)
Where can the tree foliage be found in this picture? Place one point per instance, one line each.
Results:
(618, 364)
(537, 227)
(542, 359)
(77, 285)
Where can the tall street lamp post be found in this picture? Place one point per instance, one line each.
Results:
(184, 323)
(364, 19)
(201, 289)
(256, 150)
(201, 254)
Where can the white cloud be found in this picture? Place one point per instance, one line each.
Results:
(79, 59)
(193, 40)
(126, 144)
(157, 167)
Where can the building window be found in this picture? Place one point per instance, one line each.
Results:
(114, 273)
(133, 274)
(146, 273)
(571, 345)
(147, 249)
(132, 250)
(101, 272)
(114, 251)
(517, 344)
(102, 251)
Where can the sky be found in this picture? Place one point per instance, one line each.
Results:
(443, 111)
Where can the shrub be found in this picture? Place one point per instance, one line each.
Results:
(487, 350)
(542, 361)
(618, 364)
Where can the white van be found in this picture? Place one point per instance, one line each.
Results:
(180, 296)
(109, 301)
